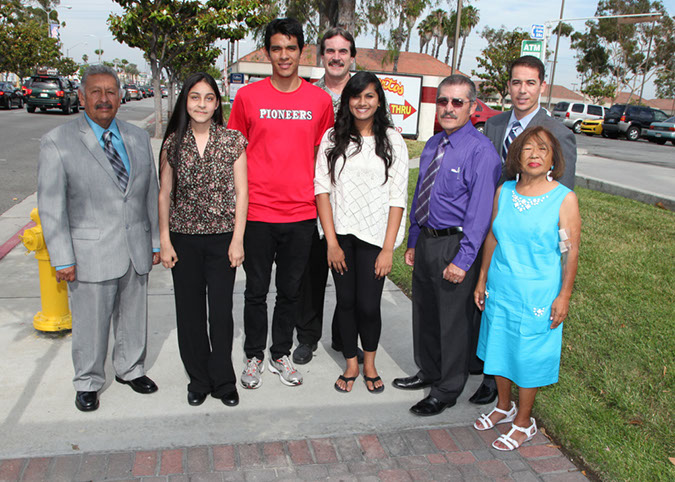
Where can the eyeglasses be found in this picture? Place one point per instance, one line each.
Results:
(456, 103)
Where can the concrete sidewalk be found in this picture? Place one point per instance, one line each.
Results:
(309, 432)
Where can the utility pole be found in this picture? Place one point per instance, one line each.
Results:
(457, 29)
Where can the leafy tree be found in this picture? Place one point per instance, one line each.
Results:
(24, 41)
(625, 54)
(503, 47)
(665, 84)
(597, 89)
(99, 52)
(165, 29)
(66, 66)
(85, 58)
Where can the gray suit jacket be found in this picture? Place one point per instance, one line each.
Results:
(495, 130)
(86, 218)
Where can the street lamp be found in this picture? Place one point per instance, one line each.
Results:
(99, 45)
(68, 49)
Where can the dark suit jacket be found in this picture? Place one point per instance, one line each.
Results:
(495, 130)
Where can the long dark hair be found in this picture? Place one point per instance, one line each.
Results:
(345, 132)
(180, 119)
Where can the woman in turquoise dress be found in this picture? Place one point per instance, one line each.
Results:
(523, 287)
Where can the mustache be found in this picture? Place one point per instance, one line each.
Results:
(103, 105)
(336, 62)
(450, 115)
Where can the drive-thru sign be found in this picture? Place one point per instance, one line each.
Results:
(403, 94)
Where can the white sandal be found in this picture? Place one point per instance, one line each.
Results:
(510, 416)
(512, 444)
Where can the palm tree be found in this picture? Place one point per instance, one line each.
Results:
(425, 33)
(412, 10)
(439, 21)
(469, 20)
(376, 13)
(449, 27)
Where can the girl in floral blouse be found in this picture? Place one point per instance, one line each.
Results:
(203, 202)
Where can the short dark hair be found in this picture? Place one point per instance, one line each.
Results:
(334, 32)
(458, 79)
(512, 164)
(528, 61)
(289, 27)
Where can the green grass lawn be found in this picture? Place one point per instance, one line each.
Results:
(613, 405)
(414, 148)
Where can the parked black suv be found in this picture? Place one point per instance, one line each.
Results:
(51, 92)
(10, 96)
(629, 120)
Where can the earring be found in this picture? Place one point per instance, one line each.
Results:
(517, 177)
(549, 176)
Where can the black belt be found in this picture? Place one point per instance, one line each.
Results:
(437, 233)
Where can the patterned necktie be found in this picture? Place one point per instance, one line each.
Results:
(115, 160)
(515, 130)
(422, 209)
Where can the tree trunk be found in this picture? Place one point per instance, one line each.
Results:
(377, 35)
(407, 41)
(461, 52)
(172, 96)
(154, 67)
(447, 55)
(346, 12)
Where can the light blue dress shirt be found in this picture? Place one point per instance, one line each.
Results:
(524, 122)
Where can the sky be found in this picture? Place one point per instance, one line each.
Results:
(86, 28)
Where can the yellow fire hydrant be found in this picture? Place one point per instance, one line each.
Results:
(55, 314)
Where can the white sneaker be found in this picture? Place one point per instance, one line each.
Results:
(286, 371)
(251, 377)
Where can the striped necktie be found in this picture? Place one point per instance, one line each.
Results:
(115, 160)
(515, 130)
(423, 197)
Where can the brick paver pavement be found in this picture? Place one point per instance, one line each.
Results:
(457, 453)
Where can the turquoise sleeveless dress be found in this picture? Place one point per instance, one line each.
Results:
(525, 276)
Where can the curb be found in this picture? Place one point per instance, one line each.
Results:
(625, 191)
(12, 242)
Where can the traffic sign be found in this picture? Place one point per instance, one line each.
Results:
(537, 32)
(533, 47)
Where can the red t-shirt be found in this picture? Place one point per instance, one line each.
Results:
(282, 129)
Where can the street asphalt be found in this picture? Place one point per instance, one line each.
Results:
(38, 417)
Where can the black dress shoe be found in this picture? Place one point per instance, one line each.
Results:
(410, 383)
(231, 399)
(141, 384)
(195, 398)
(430, 406)
(303, 353)
(484, 395)
(86, 401)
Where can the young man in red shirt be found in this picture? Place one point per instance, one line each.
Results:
(283, 117)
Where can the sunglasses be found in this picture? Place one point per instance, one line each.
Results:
(456, 103)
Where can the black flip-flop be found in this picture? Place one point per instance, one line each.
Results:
(346, 380)
(373, 380)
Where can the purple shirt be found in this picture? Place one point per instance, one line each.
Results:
(463, 190)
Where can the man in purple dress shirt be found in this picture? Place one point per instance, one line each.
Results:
(449, 219)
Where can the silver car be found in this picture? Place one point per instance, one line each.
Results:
(572, 114)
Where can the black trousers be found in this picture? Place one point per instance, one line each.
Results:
(443, 317)
(309, 322)
(287, 245)
(359, 295)
(203, 276)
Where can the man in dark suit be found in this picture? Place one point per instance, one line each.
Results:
(97, 198)
(526, 85)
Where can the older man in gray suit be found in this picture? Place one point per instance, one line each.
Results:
(97, 198)
(526, 85)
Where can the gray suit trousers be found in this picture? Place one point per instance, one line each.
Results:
(122, 301)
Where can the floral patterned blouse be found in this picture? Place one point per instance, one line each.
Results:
(204, 200)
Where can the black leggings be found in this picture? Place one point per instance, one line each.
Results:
(203, 276)
(358, 296)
